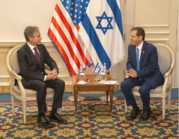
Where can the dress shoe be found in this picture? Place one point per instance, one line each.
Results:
(145, 115)
(43, 122)
(134, 113)
(57, 118)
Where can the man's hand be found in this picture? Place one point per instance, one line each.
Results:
(49, 77)
(132, 73)
(52, 75)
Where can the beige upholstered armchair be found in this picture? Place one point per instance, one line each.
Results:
(19, 91)
(166, 63)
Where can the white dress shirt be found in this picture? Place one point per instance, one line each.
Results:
(32, 48)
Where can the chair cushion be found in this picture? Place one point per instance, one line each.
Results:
(32, 93)
(157, 90)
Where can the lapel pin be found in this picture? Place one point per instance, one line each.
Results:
(143, 52)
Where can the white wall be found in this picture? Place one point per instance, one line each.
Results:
(15, 15)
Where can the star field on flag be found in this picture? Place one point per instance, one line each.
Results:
(64, 33)
(76, 9)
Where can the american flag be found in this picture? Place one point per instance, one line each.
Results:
(63, 32)
(89, 67)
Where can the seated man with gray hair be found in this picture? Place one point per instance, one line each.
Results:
(32, 57)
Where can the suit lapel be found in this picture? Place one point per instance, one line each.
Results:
(143, 52)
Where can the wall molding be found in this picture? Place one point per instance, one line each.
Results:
(158, 40)
(9, 43)
(157, 33)
(4, 76)
(8, 77)
(152, 26)
(4, 83)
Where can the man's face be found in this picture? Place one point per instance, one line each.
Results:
(135, 40)
(36, 39)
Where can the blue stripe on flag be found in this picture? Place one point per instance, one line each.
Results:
(96, 42)
(97, 68)
(117, 14)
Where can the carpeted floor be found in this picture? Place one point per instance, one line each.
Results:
(5, 97)
(93, 121)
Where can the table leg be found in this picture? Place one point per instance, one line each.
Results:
(75, 100)
(111, 101)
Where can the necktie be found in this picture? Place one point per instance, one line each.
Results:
(137, 59)
(37, 54)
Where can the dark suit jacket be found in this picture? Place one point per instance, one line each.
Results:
(149, 68)
(30, 68)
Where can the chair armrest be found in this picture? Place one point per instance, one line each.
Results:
(15, 75)
(169, 72)
(21, 87)
(167, 86)
(164, 88)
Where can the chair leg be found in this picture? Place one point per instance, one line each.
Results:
(140, 102)
(169, 98)
(163, 108)
(13, 105)
(24, 112)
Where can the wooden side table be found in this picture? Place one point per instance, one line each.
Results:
(93, 86)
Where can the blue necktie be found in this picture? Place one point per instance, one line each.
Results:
(137, 61)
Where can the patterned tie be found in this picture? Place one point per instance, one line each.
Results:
(37, 54)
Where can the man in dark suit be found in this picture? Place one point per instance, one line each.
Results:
(143, 70)
(31, 58)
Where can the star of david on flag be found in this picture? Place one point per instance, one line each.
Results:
(108, 19)
(101, 32)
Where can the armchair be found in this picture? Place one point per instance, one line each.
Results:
(166, 63)
(19, 91)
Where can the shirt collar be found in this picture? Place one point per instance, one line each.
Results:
(31, 46)
(140, 46)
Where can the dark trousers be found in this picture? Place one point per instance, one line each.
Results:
(144, 90)
(41, 87)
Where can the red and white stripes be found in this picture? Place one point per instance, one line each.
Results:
(65, 36)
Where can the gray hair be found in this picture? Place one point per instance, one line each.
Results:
(30, 32)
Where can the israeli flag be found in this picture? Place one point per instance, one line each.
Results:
(101, 32)
(97, 68)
